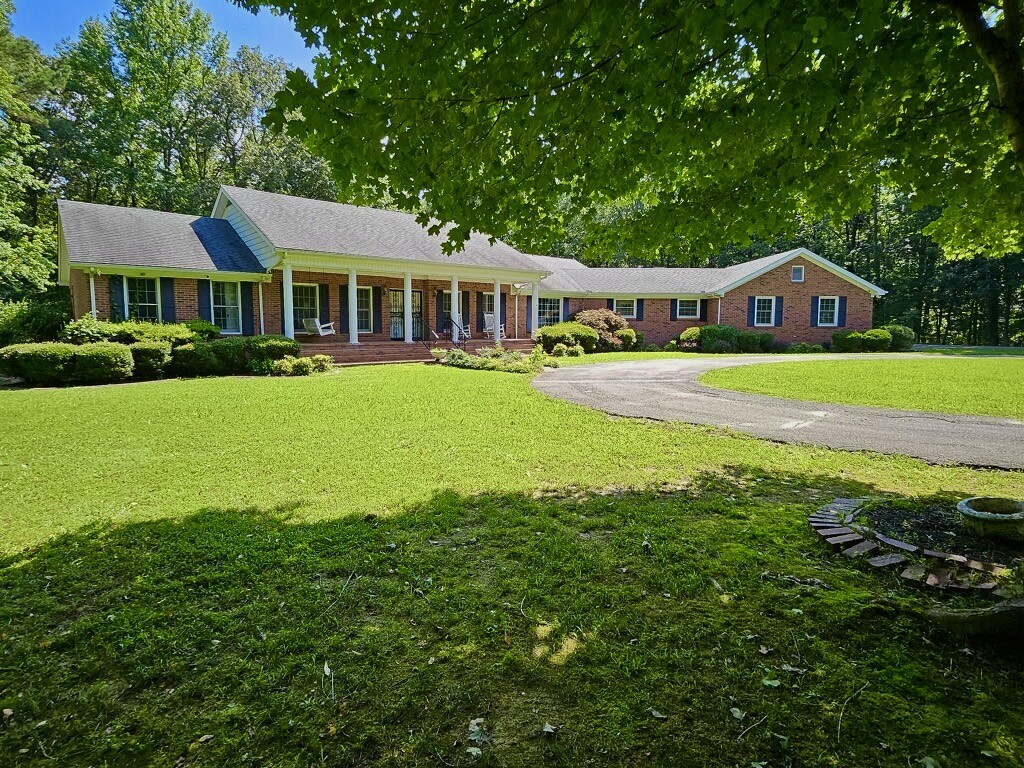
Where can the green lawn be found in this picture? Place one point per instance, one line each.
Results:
(186, 556)
(987, 386)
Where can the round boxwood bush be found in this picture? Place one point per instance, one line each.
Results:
(627, 336)
(151, 358)
(45, 364)
(766, 342)
(719, 338)
(576, 351)
(568, 333)
(559, 350)
(876, 340)
(672, 346)
(322, 363)
(689, 339)
(103, 362)
(196, 359)
(232, 355)
(847, 341)
(903, 338)
(748, 341)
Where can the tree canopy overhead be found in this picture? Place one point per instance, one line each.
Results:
(721, 119)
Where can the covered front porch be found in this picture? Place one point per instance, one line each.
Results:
(378, 314)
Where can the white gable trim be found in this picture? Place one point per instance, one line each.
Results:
(811, 256)
(220, 206)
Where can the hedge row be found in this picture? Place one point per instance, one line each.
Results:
(723, 338)
(102, 362)
(86, 330)
(888, 338)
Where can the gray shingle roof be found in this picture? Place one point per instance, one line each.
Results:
(137, 237)
(299, 224)
(648, 281)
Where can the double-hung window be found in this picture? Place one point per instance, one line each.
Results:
(688, 309)
(226, 299)
(625, 308)
(305, 304)
(549, 311)
(488, 304)
(764, 311)
(142, 298)
(364, 309)
(828, 310)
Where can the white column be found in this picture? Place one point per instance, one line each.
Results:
(263, 325)
(287, 309)
(92, 295)
(535, 310)
(497, 311)
(353, 308)
(456, 320)
(407, 307)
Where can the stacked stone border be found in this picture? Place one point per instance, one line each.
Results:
(835, 526)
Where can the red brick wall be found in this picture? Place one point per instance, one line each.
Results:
(80, 301)
(796, 302)
(186, 300)
(658, 327)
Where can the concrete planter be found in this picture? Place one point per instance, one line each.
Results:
(989, 516)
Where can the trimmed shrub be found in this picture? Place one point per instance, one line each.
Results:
(322, 363)
(778, 345)
(903, 338)
(641, 341)
(103, 362)
(748, 341)
(627, 337)
(766, 342)
(672, 346)
(86, 330)
(818, 348)
(203, 330)
(273, 347)
(719, 338)
(576, 351)
(876, 340)
(689, 339)
(232, 355)
(499, 359)
(606, 323)
(302, 366)
(43, 364)
(197, 359)
(569, 334)
(559, 350)
(283, 367)
(36, 319)
(847, 341)
(800, 348)
(150, 358)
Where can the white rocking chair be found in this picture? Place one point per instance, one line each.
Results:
(489, 327)
(315, 327)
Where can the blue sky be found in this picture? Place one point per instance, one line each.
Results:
(50, 21)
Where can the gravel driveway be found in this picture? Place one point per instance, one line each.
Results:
(668, 390)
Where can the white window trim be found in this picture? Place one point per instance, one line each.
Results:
(358, 289)
(159, 298)
(483, 304)
(681, 316)
(835, 314)
(316, 293)
(792, 273)
(240, 323)
(764, 325)
(615, 309)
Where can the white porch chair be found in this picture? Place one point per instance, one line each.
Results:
(489, 327)
(315, 327)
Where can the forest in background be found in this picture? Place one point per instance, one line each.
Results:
(148, 107)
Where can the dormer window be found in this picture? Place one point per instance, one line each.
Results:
(798, 273)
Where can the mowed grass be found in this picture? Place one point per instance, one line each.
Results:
(348, 569)
(986, 386)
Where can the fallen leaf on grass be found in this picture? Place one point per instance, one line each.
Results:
(206, 738)
(656, 714)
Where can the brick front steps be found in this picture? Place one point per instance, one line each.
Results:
(393, 351)
(835, 525)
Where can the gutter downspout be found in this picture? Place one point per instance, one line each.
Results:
(263, 329)
(720, 309)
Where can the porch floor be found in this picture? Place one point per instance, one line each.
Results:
(393, 351)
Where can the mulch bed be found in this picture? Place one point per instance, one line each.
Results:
(937, 527)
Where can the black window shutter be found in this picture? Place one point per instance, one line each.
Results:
(440, 312)
(814, 311)
(117, 308)
(343, 306)
(529, 314)
(673, 312)
(750, 311)
(842, 312)
(167, 299)
(704, 309)
(203, 294)
(464, 314)
(378, 309)
(565, 308)
(611, 304)
(504, 307)
(325, 302)
(480, 311)
(248, 321)
(639, 309)
(778, 311)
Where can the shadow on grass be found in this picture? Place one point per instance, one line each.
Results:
(649, 629)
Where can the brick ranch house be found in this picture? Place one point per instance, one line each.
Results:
(265, 263)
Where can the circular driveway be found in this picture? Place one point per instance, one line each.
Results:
(668, 390)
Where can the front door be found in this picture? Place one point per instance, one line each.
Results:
(398, 315)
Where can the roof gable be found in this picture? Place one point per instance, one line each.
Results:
(753, 269)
